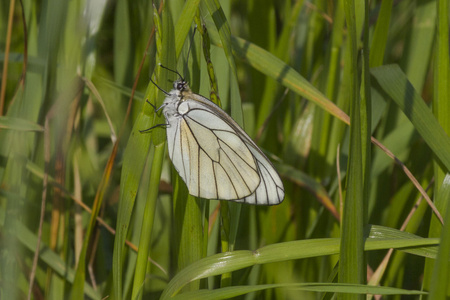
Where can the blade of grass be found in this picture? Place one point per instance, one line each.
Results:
(147, 224)
(19, 124)
(352, 265)
(134, 156)
(334, 87)
(441, 272)
(189, 216)
(123, 53)
(441, 102)
(184, 23)
(231, 261)
(415, 60)
(441, 110)
(230, 213)
(167, 41)
(396, 85)
(366, 114)
(224, 30)
(280, 71)
(380, 35)
(230, 292)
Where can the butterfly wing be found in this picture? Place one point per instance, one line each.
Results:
(270, 190)
(216, 158)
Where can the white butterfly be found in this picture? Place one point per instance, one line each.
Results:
(213, 155)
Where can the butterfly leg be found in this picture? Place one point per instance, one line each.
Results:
(157, 125)
(154, 106)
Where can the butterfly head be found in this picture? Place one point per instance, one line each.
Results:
(180, 85)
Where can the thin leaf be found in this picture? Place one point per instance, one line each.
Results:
(397, 86)
(19, 124)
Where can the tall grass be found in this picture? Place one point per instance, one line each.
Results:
(349, 99)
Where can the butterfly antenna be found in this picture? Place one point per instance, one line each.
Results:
(174, 71)
(159, 87)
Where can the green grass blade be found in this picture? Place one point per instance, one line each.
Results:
(441, 101)
(167, 35)
(223, 27)
(231, 261)
(184, 24)
(441, 110)
(230, 212)
(395, 84)
(272, 66)
(230, 292)
(122, 43)
(147, 224)
(416, 58)
(136, 153)
(19, 124)
(352, 265)
(441, 272)
(380, 35)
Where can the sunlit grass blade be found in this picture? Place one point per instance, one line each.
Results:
(272, 66)
(230, 292)
(231, 261)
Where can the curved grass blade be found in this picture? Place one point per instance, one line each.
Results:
(396, 85)
(230, 292)
(274, 67)
(231, 261)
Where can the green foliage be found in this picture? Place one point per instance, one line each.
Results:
(111, 217)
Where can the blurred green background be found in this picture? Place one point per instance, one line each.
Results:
(80, 182)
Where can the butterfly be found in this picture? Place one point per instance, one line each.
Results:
(213, 154)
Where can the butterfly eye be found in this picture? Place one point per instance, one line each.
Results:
(181, 85)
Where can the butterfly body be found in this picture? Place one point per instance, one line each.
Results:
(213, 155)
